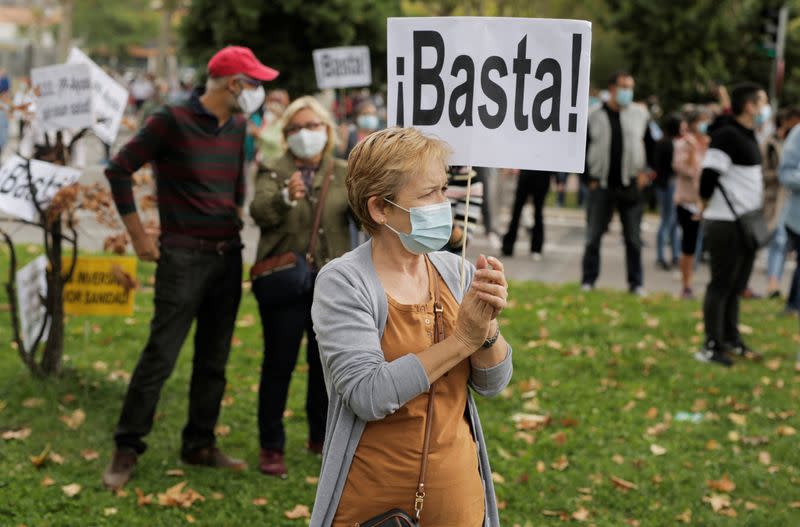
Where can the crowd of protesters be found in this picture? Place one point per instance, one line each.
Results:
(318, 177)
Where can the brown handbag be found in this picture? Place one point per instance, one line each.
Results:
(283, 277)
(398, 517)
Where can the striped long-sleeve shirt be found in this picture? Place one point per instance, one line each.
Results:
(198, 166)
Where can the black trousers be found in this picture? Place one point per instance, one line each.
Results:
(536, 184)
(731, 265)
(600, 208)
(284, 327)
(189, 285)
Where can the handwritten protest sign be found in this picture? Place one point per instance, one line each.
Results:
(15, 191)
(109, 98)
(344, 67)
(31, 285)
(65, 96)
(503, 92)
(98, 286)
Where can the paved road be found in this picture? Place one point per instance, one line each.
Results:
(562, 252)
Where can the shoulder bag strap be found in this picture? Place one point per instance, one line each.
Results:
(438, 336)
(312, 244)
(727, 200)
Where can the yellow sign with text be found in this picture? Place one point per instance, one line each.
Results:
(101, 286)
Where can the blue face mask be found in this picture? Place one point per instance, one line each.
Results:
(703, 128)
(763, 116)
(624, 97)
(368, 122)
(431, 227)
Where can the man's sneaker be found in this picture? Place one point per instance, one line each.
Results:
(315, 447)
(494, 241)
(711, 352)
(587, 288)
(212, 457)
(638, 291)
(537, 257)
(687, 294)
(742, 350)
(119, 470)
(271, 463)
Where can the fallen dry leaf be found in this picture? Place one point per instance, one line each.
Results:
(623, 484)
(560, 464)
(724, 485)
(652, 413)
(175, 473)
(312, 480)
(580, 515)
(222, 430)
(713, 444)
(32, 402)
(19, 434)
(190, 518)
(562, 515)
(717, 501)
(71, 490)
(41, 458)
(764, 458)
(260, 502)
(74, 420)
(619, 460)
(657, 450)
(217, 496)
(773, 365)
(143, 499)
(540, 467)
(750, 506)
(109, 511)
(89, 455)
(47, 481)
(685, 516)
(175, 496)
(299, 511)
(738, 419)
(498, 478)
(530, 421)
(56, 458)
(785, 431)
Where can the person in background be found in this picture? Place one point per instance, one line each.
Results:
(396, 328)
(775, 196)
(366, 122)
(196, 151)
(616, 175)
(288, 190)
(789, 175)
(270, 139)
(24, 104)
(663, 152)
(687, 162)
(561, 189)
(731, 165)
(142, 88)
(535, 184)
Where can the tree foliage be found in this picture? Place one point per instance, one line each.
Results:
(109, 27)
(283, 34)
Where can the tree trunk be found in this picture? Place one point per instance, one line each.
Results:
(65, 31)
(54, 349)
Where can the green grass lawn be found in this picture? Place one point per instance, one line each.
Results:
(607, 372)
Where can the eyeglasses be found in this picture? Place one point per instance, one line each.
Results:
(248, 80)
(294, 128)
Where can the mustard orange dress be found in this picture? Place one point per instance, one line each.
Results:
(385, 468)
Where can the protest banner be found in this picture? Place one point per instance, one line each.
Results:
(15, 188)
(64, 100)
(98, 286)
(503, 92)
(31, 285)
(344, 67)
(109, 98)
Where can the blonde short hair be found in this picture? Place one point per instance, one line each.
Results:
(310, 103)
(382, 163)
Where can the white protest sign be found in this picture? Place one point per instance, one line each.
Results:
(109, 98)
(503, 92)
(64, 101)
(31, 283)
(48, 179)
(345, 67)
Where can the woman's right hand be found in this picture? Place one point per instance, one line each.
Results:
(297, 189)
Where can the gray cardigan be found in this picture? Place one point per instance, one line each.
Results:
(349, 313)
(633, 121)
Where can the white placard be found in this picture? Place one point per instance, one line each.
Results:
(48, 179)
(345, 67)
(31, 283)
(109, 98)
(503, 92)
(65, 96)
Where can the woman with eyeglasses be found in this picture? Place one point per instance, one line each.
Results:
(288, 192)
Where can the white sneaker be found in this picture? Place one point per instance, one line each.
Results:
(494, 241)
(639, 291)
(587, 288)
(537, 257)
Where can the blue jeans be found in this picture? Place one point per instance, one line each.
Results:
(793, 300)
(776, 254)
(669, 224)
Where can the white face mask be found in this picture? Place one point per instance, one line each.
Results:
(251, 100)
(306, 144)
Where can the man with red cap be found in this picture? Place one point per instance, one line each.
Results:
(196, 150)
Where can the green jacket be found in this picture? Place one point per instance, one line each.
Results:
(288, 228)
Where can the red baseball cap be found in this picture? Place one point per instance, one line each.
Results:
(235, 60)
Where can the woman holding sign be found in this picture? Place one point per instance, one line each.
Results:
(300, 204)
(401, 346)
